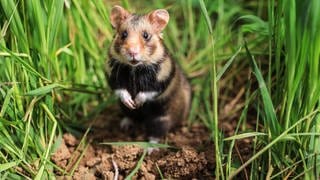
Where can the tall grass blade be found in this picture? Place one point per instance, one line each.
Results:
(8, 165)
(6, 102)
(271, 118)
(214, 122)
(44, 90)
(135, 170)
(226, 66)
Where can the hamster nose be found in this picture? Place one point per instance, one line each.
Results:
(134, 51)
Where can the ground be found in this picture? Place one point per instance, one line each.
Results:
(192, 155)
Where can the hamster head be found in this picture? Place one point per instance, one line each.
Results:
(138, 38)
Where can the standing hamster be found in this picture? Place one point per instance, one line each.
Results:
(151, 86)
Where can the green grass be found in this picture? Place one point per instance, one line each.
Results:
(52, 69)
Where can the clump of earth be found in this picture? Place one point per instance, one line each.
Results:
(191, 156)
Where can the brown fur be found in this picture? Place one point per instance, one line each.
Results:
(176, 96)
(179, 92)
(136, 25)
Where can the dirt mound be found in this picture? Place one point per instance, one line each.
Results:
(191, 157)
(183, 163)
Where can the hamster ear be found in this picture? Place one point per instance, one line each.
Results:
(159, 19)
(118, 15)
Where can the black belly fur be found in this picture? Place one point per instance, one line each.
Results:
(137, 79)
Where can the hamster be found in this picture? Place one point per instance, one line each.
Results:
(151, 86)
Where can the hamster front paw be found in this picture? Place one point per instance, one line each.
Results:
(125, 98)
(142, 97)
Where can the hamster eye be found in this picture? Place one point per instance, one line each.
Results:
(124, 35)
(145, 35)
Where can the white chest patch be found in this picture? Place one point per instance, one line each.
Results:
(142, 97)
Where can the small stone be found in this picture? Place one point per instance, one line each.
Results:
(93, 161)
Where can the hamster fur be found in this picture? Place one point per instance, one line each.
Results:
(151, 87)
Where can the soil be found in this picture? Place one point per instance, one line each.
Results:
(191, 155)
